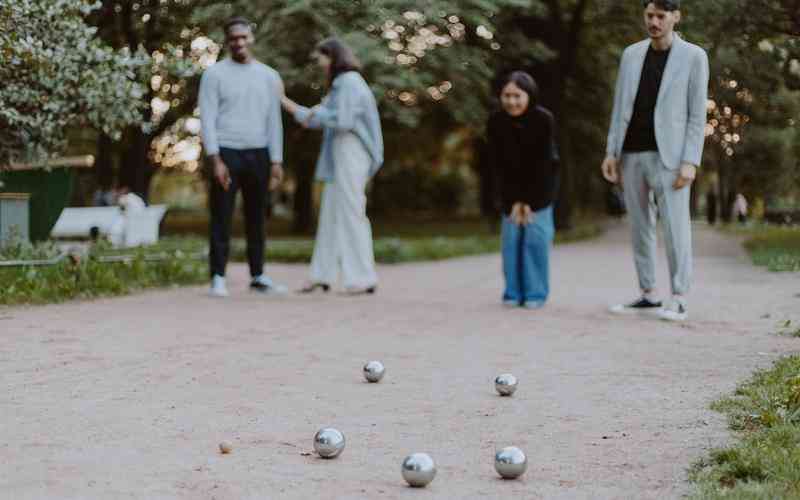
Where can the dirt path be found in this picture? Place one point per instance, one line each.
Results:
(128, 398)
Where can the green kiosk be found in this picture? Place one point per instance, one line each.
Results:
(32, 196)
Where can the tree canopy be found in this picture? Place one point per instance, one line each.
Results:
(430, 63)
(56, 74)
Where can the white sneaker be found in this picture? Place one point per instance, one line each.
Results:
(533, 305)
(675, 311)
(263, 284)
(218, 288)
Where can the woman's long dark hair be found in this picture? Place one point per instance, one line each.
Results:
(342, 57)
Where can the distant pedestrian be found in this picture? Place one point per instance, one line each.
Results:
(740, 208)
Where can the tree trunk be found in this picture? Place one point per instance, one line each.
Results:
(136, 170)
(104, 162)
(306, 146)
(303, 199)
(566, 192)
(571, 40)
(725, 197)
(693, 200)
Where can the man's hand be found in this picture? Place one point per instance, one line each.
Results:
(221, 173)
(686, 176)
(610, 168)
(276, 176)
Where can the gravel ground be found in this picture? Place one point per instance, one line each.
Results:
(129, 397)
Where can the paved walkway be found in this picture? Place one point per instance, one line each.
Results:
(129, 397)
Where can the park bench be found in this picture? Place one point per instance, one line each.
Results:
(125, 229)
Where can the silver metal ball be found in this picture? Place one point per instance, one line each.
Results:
(328, 443)
(374, 371)
(506, 384)
(418, 470)
(510, 462)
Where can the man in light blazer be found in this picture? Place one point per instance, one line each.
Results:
(655, 144)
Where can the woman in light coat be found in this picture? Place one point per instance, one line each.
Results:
(352, 152)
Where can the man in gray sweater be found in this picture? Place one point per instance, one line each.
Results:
(242, 131)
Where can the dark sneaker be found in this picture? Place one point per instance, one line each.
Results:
(641, 306)
(315, 287)
(370, 290)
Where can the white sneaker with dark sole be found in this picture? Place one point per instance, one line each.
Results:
(265, 286)
(643, 306)
(675, 312)
(533, 305)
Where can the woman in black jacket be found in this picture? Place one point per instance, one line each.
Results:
(524, 158)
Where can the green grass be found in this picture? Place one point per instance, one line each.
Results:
(194, 223)
(387, 250)
(400, 242)
(790, 328)
(775, 247)
(180, 260)
(90, 278)
(764, 460)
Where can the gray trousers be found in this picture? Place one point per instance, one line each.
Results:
(647, 183)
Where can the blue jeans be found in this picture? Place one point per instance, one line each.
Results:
(526, 258)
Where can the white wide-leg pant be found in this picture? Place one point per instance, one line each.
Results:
(344, 235)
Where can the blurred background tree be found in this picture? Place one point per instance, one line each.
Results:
(428, 62)
(56, 74)
(754, 94)
(432, 65)
(178, 53)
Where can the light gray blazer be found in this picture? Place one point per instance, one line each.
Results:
(680, 116)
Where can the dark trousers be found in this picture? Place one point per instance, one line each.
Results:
(249, 170)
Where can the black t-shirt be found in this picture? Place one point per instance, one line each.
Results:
(641, 134)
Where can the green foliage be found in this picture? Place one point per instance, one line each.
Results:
(90, 278)
(181, 261)
(439, 192)
(55, 75)
(161, 30)
(790, 328)
(777, 248)
(755, 68)
(14, 248)
(765, 462)
(408, 49)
